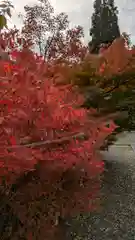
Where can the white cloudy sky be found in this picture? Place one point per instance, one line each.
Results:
(79, 12)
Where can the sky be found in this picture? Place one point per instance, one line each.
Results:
(80, 11)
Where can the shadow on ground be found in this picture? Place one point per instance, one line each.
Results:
(116, 219)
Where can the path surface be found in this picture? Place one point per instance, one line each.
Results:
(116, 220)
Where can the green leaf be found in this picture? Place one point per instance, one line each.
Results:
(3, 22)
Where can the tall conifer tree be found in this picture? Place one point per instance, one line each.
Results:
(105, 26)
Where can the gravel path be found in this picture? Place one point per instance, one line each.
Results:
(116, 219)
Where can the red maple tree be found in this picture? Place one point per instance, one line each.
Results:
(49, 159)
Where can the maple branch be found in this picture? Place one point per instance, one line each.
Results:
(44, 143)
(62, 139)
(122, 80)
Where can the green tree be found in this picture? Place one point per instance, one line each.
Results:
(105, 26)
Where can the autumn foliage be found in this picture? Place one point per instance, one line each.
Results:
(49, 160)
(50, 165)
